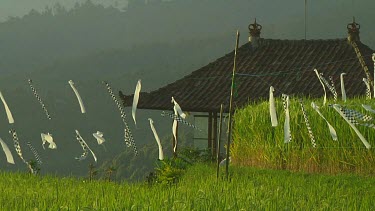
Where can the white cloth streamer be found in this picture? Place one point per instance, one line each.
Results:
(48, 138)
(343, 92)
(332, 130)
(368, 108)
(178, 109)
(324, 88)
(71, 83)
(7, 152)
(99, 137)
(273, 108)
(135, 99)
(161, 154)
(9, 114)
(174, 129)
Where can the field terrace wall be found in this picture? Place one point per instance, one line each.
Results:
(287, 65)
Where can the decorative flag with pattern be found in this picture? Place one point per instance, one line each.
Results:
(35, 153)
(33, 168)
(129, 140)
(307, 122)
(179, 119)
(333, 88)
(354, 116)
(328, 85)
(85, 148)
(17, 144)
(39, 99)
(287, 132)
(351, 121)
(368, 88)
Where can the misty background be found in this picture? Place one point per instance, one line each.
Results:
(156, 41)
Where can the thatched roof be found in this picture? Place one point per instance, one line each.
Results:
(287, 65)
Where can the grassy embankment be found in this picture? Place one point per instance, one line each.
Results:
(256, 143)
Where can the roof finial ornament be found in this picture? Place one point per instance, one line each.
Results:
(353, 31)
(254, 29)
(254, 33)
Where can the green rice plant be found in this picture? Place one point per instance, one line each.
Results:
(256, 143)
(169, 171)
(198, 189)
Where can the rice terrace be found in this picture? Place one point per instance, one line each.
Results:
(187, 105)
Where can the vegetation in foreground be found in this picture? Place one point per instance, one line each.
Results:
(256, 143)
(189, 182)
(198, 189)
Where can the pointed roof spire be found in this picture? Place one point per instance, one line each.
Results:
(254, 29)
(353, 31)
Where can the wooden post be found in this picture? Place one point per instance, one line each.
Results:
(209, 138)
(373, 59)
(218, 142)
(230, 107)
(176, 142)
(214, 130)
(305, 20)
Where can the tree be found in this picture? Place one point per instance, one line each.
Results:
(58, 9)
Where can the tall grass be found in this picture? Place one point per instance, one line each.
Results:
(256, 143)
(248, 189)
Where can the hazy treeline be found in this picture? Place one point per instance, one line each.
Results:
(39, 38)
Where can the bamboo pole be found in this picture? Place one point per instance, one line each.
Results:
(218, 142)
(230, 106)
(373, 59)
(209, 129)
(305, 20)
(214, 136)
